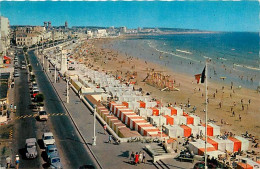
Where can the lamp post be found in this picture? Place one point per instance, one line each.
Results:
(55, 73)
(94, 137)
(68, 90)
(161, 119)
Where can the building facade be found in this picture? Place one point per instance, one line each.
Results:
(4, 35)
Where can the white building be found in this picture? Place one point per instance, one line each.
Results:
(4, 34)
(101, 33)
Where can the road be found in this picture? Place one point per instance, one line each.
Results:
(72, 149)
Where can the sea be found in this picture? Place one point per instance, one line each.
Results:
(234, 56)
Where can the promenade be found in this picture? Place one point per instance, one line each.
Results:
(109, 155)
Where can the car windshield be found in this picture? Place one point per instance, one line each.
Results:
(30, 146)
(43, 113)
(55, 160)
(48, 137)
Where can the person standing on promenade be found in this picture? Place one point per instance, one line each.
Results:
(132, 157)
(136, 158)
(17, 160)
(140, 159)
(8, 162)
(143, 157)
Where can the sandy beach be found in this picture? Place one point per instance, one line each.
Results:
(243, 102)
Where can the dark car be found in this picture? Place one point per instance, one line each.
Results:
(201, 165)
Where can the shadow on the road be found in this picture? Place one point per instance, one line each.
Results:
(125, 154)
(46, 165)
(22, 153)
(40, 143)
(129, 162)
(44, 156)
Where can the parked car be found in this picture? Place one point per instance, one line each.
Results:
(31, 150)
(54, 161)
(51, 149)
(48, 139)
(16, 74)
(23, 67)
(43, 115)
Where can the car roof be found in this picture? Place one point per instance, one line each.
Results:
(51, 146)
(48, 134)
(54, 155)
(30, 140)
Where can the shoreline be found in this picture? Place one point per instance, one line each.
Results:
(119, 64)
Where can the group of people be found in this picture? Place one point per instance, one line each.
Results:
(137, 158)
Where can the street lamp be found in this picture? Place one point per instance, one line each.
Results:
(94, 137)
(68, 90)
(161, 119)
(55, 73)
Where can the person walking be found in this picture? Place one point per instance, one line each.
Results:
(109, 138)
(17, 160)
(140, 159)
(105, 128)
(144, 157)
(240, 118)
(11, 107)
(14, 108)
(132, 158)
(8, 162)
(136, 158)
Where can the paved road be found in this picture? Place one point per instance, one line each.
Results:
(72, 149)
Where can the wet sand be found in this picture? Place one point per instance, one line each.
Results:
(122, 65)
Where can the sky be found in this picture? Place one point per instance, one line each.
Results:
(211, 16)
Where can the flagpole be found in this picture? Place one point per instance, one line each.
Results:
(206, 114)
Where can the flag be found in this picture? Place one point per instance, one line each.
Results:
(200, 77)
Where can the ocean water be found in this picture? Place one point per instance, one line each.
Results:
(234, 56)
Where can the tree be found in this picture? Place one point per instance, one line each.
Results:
(25, 49)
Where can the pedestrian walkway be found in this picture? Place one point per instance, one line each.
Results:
(110, 155)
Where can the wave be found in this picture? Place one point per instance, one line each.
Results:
(248, 67)
(183, 51)
(170, 53)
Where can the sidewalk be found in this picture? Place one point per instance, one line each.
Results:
(109, 155)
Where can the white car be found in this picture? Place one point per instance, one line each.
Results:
(48, 139)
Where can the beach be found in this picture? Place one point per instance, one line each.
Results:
(222, 100)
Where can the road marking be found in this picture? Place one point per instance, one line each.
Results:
(10, 134)
(35, 115)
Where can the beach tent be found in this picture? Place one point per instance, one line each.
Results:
(133, 121)
(142, 112)
(186, 130)
(174, 131)
(122, 111)
(182, 120)
(119, 109)
(198, 147)
(169, 120)
(179, 111)
(209, 130)
(128, 117)
(244, 143)
(236, 144)
(194, 129)
(196, 120)
(216, 129)
(158, 120)
(124, 114)
(155, 111)
(138, 123)
(215, 154)
(150, 104)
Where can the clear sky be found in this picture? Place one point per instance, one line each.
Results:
(213, 16)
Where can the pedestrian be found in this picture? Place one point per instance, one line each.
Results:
(8, 162)
(136, 158)
(109, 138)
(249, 101)
(240, 118)
(17, 160)
(105, 128)
(243, 107)
(219, 104)
(14, 108)
(143, 157)
(233, 113)
(132, 157)
(140, 159)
